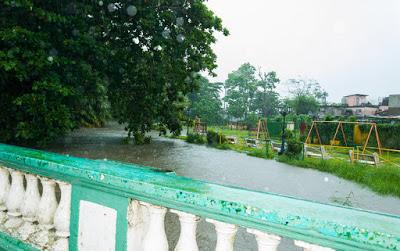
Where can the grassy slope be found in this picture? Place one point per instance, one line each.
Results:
(382, 179)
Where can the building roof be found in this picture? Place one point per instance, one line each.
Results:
(363, 95)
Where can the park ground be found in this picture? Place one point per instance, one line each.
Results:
(383, 179)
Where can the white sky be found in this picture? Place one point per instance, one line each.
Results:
(349, 46)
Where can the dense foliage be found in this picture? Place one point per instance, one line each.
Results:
(65, 64)
(247, 93)
(306, 96)
(205, 102)
(214, 137)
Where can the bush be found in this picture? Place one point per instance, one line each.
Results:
(215, 138)
(294, 148)
(195, 138)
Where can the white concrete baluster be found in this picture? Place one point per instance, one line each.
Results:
(311, 247)
(14, 200)
(225, 235)
(62, 217)
(155, 239)
(29, 206)
(4, 188)
(138, 220)
(187, 237)
(266, 242)
(45, 213)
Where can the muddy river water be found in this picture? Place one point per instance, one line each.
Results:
(223, 167)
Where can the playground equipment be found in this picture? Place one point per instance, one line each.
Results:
(262, 129)
(340, 126)
(354, 154)
(231, 139)
(199, 127)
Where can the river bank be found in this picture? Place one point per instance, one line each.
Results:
(383, 179)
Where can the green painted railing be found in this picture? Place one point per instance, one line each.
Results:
(115, 184)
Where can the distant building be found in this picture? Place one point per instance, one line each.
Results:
(355, 100)
(384, 104)
(352, 105)
(394, 105)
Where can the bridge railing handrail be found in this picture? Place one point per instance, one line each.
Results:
(332, 226)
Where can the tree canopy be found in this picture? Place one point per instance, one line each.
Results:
(249, 92)
(206, 103)
(66, 64)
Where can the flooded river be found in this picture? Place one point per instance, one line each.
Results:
(223, 167)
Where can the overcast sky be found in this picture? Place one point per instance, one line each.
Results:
(349, 46)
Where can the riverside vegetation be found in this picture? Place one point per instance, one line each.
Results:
(384, 179)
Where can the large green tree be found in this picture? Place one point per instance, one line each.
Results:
(266, 100)
(241, 87)
(307, 95)
(63, 63)
(205, 103)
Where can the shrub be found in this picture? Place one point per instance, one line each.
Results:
(216, 138)
(195, 138)
(294, 148)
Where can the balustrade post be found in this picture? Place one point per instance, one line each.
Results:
(29, 206)
(14, 200)
(138, 220)
(155, 239)
(187, 237)
(311, 247)
(62, 217)
(266, 242)
(225, 235)
(45, 212)
(4, 189)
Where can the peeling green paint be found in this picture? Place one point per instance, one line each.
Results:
(9, 243)
(341, 228)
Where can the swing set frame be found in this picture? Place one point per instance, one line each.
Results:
(340, 126)
(262, 128)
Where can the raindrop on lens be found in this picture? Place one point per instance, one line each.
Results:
(180, 38)
(131, 10)
(111, 7)
(166, 34)
(179, 21)
(75, 32)
(53, 52)
(101, 3)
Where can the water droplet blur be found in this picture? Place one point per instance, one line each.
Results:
(180, 21)
(101, 3)
(194, 74)
(131, 10)
(166, 34)
(53, 52)
(75, 32)
(111, 7)
(180, 38)
(158, 48)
